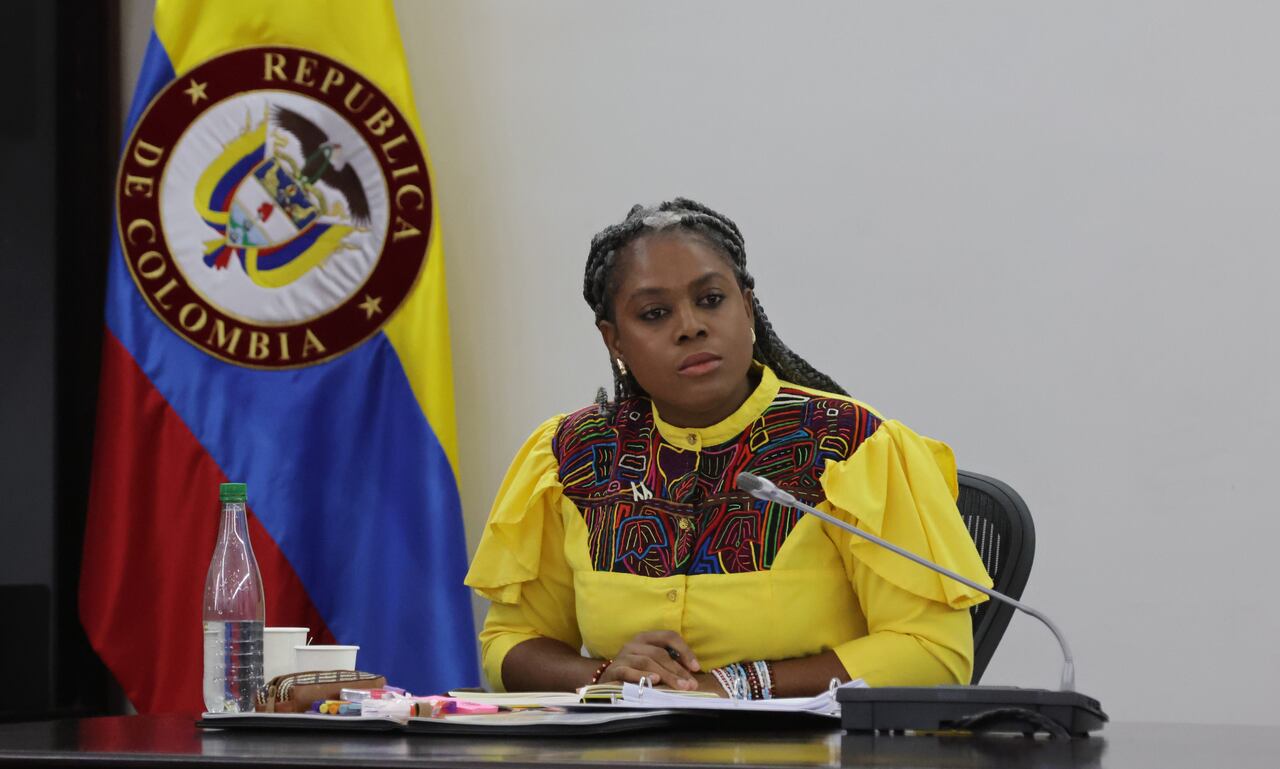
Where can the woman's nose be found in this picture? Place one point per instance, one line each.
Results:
(691, 324)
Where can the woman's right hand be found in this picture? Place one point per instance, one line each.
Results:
(649, 655)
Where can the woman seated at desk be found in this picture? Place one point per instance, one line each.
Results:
(619, 529)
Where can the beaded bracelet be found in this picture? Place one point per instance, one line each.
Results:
(753, 681)
(722, 678)
(734, 680)
(764, 674)
(595, 677)
(742, 681)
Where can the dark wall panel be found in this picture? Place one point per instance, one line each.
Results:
(28, 263)
(57, 147)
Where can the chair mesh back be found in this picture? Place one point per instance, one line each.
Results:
(982, 518)
(1001, 527)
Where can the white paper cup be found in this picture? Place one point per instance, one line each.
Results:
(277, 650)
(321, 657)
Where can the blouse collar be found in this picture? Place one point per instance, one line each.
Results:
(694, 438)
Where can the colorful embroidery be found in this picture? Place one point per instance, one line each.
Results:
(655, 509)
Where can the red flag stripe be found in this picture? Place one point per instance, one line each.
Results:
(148, 540)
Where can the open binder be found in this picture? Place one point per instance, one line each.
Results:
(531, 723)
(642, 696)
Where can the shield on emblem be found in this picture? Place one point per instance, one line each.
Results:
(269, 208)
(271, 217)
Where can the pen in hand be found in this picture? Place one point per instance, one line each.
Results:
(675, 655)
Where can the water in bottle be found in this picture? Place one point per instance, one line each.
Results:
(234, 612)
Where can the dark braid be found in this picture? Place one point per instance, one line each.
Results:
(599, 285)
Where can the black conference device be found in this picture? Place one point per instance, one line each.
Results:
(1061, 713)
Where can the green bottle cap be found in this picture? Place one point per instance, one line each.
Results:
(232, 492)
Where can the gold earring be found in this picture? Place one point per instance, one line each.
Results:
(753, 336)
(622, 367)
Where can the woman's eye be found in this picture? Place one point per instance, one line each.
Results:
(653, 314)
(712, 300)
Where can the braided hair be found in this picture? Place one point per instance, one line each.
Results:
(600, 283)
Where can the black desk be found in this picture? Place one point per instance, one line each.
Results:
(172, 741)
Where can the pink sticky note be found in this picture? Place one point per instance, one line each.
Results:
(460, 707)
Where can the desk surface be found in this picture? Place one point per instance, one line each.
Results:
(169, 740)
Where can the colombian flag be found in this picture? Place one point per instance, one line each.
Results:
(350, 462)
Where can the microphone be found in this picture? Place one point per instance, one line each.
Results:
(765, 490)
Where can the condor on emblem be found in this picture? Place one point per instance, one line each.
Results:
(274, 207)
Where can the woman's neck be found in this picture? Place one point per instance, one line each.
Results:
(680, 417)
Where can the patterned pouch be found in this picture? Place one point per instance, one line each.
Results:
(294, 692)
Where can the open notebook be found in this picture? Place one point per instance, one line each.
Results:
(520, 700)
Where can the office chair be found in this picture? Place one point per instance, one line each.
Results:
(1001, 527)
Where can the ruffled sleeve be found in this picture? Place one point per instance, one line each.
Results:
(510, 550)
(520, 565)
(902, 487)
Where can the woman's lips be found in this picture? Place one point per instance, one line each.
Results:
(699, 364)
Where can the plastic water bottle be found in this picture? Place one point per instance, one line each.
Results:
(234, 612)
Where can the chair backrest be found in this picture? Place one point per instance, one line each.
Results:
(1001, 527)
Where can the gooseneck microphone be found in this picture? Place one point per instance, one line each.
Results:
(1062, 713)
(763, 489)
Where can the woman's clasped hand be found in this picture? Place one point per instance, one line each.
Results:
(664, 658)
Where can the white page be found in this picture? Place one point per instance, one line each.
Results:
(645, 696)
(518, 699)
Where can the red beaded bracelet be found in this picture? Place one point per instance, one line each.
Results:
(595, 677)
(753, 681)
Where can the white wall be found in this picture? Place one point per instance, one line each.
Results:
(1044, 232)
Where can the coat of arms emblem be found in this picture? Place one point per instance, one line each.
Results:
(275, 207)
(269, 206)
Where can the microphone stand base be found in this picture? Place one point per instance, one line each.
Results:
(969, 708)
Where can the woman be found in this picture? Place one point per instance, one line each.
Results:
(618, 530)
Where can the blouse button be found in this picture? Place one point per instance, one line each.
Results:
(693, 439)
(672, 595)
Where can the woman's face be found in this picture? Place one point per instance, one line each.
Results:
(682, 326)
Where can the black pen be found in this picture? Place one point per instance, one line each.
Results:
(675, 655)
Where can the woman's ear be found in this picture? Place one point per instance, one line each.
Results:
(748, 300)
(609, 333)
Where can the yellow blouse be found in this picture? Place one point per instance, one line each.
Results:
(890, 621)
